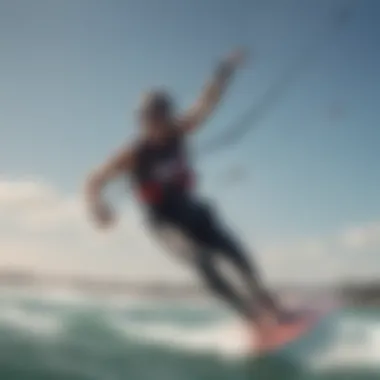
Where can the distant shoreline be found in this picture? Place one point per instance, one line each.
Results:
(363, 293)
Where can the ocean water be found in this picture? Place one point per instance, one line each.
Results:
(64, 336)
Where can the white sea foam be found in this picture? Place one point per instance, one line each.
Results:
(355, 344)
(42, 324)
(229, 338)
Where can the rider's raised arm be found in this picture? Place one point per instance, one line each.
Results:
(211, 94)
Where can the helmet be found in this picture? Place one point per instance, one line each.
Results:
(156, 104)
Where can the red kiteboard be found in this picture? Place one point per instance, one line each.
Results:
(289, 331)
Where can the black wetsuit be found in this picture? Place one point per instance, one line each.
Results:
(163, 180)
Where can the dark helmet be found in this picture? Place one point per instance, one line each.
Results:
(156, 104)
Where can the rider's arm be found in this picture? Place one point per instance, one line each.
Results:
(120, 163)
(211, 94)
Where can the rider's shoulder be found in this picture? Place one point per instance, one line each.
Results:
(136, 146)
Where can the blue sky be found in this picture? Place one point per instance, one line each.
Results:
(71, 74)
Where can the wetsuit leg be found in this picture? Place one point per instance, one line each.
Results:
(195, 221)
(219, 285)
(212, 235)
(190, 221)
(232, 251)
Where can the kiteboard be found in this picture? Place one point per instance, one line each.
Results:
(289, 330)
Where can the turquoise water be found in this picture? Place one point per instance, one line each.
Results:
(75, 338)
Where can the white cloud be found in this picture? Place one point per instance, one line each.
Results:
(306, 260)
(46, 230)
(363, 237)
(350, 253)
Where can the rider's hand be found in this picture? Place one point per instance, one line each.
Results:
(236, 58)
(103, 215)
